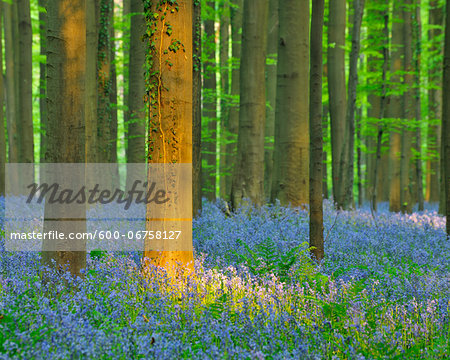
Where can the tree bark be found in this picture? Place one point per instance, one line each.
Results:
(197, 111)
(2, 121)
(291, 156)
(170, 111)
(434, 103)
(135, 127)
(446, 116)
(209, 140)
(316, 134)
(337, 95)
(26, 140)
(233, 116)
(42, 81)
(66, 66)
(395, 112)
(271, 90)
(248, 177)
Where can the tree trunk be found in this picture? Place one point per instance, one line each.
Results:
(2, 121)
(91, 94)
(42, 81)
(271, 90)
(25, 128)
(434, 103)
(316, 134)
(135, 127)
(170, 114)
(446, 116)
(224, 93)
(325, 154)
(346, 171)
(395, 112)
(248, 177)
(209, 140)
(66, 66)
(409, 114)
(233, 116)
(12, 114)
(197, 110)
(418, 107)
(291, 156)
(337, 95)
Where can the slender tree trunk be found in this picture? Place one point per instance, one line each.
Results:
(126, 62)
(446, 116)
(248, 177)
(346, 172)
(2, 120)
(233, 116)
(91, 93)
(316, 134)
(197, 111)
(395, 112)
(325, 154)
(291, 156)
(271, 90)
(11, 84)
(337, 95)
(66, 66)
(359, 155)
(224, 93)
(418, 107)
(135, 126)
(209, 140)
(42, 81)
(434, 103)
(409, 113)
(170, 114)
(26, 140)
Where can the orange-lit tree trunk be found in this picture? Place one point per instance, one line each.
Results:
(169, 83)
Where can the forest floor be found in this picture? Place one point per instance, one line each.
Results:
(383, 291)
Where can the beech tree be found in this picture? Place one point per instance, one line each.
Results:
(446, 115)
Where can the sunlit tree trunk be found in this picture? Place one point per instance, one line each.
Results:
(291, 155)
(135, 127)
(233, 115)
(209, 140)
(197, 110)
(248, 176)
(271, 90)
(395, 112)
(337, 94)
(170, 109)
(316, 133)
(434, 104)
(66, 66)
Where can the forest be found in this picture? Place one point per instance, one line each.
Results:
(224, 179)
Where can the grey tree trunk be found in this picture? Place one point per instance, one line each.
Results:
(233, 115)
(446, 116)
(135, 127)
(291, 155)
(2, 128)
(42, 81)
(337, 95)
(248, 177)
(209, 140)
(271, 90)
(316, 134)
(66, 66)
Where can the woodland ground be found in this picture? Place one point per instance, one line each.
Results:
(383, 291)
